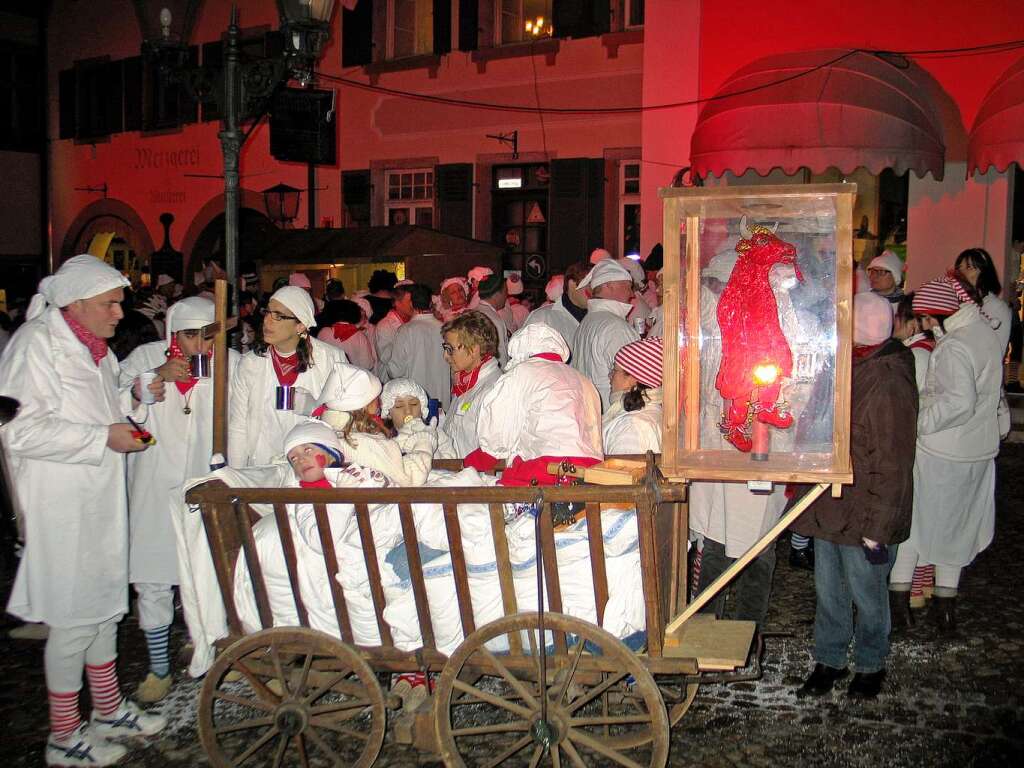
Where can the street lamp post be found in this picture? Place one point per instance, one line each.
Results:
(245, 88)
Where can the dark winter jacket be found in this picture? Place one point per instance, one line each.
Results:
(882, 440)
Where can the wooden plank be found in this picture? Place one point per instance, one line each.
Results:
(649, 576)
(670, 349)
(252, 562)
(844, 330)
(220, 372)
(323, 526)
(284, 532)
(501, 557)
(716, 645)
(549, 557)
(740, 563)
(224, 545)
(666, 552)
(458, 555)
(419, 587)
(595, 539)
(373, 572)
(692, 407)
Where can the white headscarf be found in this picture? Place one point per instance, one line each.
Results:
(349, 388)
(299, 302)
(397, 388)
(189, 314)
(81, 277)
(605, 271)
(534, 339)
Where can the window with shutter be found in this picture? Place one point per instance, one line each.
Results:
(410, 27)
(518, 21)
(455, 198)
(469, 25)
(21, 94)
(577, 210)
(581, 18)
(357, 34)
(410, 197)
(133, 99)
(355, 189)
(66, 91)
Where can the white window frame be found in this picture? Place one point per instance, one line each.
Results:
(411, 204)
(627, 14)
(629, 198)
(392, 30)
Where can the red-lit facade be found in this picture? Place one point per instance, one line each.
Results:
(583, 179)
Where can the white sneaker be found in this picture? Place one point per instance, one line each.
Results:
(128, 720)
(83, 747)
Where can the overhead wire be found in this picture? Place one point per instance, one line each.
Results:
(963, 51)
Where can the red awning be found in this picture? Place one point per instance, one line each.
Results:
(820, 109)
(998, 134)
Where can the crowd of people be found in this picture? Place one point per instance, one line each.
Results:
(384, 380)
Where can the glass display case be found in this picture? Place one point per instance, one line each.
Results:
(758, 333)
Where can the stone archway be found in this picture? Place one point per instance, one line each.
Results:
(213, 211)
(254, 229)
(107, 215)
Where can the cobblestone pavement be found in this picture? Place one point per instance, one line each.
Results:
(954, 703)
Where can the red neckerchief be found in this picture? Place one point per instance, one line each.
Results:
(343, 331)
(286, 367)
(97, 346)
(925, 343)
(173, 352)
(321, 483)
(552, 356)
(402, 320)
(859, 353)
(466, 380)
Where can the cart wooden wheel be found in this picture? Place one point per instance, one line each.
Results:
(497, 720)
(678, 705)
(302, 698)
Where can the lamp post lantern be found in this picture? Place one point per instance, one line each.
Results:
(244, 91)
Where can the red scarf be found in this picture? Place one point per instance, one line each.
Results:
(286, 367)
(859, 352)
(552, 356)
(321, 483)
(466, 380)
(175, 351)
(97, 346)
(344, 331)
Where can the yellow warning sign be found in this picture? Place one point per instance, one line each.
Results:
(535, 216)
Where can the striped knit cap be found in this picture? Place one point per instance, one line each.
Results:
(642, 360)
(938, 297)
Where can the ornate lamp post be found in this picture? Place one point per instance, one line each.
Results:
(245, 88)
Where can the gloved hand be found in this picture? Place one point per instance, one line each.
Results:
(876, 554)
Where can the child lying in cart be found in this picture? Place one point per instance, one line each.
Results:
(314, 452)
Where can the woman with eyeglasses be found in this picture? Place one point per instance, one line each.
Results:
(278, 381)
(182, 423)
(957, 442)
(470, 346)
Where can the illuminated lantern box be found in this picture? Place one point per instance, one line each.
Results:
(758, 333)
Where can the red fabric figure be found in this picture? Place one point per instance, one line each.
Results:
(755, 354)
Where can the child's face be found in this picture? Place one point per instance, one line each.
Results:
(308, 462)
(404, 409)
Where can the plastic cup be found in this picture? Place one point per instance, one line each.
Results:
(145, 379)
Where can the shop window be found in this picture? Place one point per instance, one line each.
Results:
(410, 197)
(629, 208)
(523, 20)
(634, 13)
(411, 23)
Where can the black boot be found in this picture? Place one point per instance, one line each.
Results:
(900, 617)
(942, 613)
(821, 680)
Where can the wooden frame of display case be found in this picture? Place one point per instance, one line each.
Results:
(686, 460)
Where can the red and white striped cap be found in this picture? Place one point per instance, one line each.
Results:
(642, 360)
(937, 297)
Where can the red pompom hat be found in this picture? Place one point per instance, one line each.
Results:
(642, 360)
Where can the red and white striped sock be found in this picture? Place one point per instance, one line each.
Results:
(64, 714)
(103, 685)
(924, 576)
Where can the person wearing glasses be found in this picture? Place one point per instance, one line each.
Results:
(885, 273)
(471, 348)
(278, 380)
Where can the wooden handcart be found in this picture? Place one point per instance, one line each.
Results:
(298, 696)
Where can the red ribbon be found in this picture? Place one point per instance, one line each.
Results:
(321, 483)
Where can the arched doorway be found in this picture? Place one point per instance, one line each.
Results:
(113, 231)
(254, 228)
